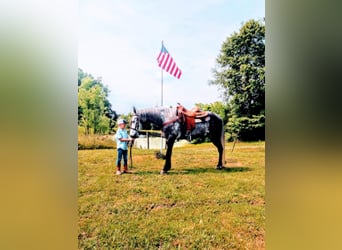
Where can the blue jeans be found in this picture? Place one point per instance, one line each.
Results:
(121, 153)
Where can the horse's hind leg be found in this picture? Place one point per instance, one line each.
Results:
(217, 142)
(167, 165)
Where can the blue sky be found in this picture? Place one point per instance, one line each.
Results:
(120, 41)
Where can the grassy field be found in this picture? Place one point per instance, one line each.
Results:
(195, 206)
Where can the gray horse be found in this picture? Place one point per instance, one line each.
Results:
(176, 125)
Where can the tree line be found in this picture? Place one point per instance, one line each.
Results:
(95, 113)
(239, 74)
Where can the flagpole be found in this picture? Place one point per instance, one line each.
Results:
(161, 104)
(161, 89)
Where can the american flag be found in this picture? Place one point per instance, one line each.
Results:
(166, 62)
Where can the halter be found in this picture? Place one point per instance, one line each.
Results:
(135, 127)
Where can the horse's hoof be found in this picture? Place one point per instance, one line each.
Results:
(163, 172)
(160, 156)
(219, 167)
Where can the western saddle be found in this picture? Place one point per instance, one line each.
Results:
(190, 117)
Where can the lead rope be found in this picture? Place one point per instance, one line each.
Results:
(130, 154)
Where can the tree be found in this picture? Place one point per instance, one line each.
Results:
(240, 72)
(219, 108)
(94, 109)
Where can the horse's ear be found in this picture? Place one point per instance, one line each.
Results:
(134, 110)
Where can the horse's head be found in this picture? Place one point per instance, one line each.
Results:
(135, 125)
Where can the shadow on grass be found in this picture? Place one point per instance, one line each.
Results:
(212, 170)
(198, 171)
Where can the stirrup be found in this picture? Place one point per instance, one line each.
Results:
(188, 135)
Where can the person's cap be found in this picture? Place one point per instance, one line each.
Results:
(121, 121)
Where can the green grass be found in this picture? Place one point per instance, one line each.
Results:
(195, 206)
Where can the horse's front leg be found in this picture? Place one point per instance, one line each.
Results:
(219, 164)
(169, 144)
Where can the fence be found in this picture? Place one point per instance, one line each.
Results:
(152, 140)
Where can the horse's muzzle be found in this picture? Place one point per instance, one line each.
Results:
(133, 133)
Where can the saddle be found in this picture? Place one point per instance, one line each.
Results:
(190, 117)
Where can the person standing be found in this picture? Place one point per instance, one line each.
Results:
(122, 140)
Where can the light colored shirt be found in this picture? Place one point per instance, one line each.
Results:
(121, 133)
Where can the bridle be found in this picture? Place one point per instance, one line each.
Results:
(136, 125)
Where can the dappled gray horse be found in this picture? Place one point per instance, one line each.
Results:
(179, 123)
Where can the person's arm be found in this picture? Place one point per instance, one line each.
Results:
(126, 139)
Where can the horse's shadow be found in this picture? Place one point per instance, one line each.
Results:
(199, 171)
(211, 170)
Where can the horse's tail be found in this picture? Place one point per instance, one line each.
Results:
(223, 142)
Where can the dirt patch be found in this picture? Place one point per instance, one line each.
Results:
(233, 163)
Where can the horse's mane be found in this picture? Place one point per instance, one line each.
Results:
(157, 115)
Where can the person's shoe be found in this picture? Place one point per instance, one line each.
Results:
(126, 170)
(118, 170)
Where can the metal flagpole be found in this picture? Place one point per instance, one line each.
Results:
(161, 104)
(161, 101)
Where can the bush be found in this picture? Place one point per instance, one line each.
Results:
(96, 142)
(246, 128)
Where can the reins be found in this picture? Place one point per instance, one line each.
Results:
(169, 122)
(130, 154)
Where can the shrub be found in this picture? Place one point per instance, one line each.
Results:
(96, 142)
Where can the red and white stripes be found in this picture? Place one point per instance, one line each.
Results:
(166, 62)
